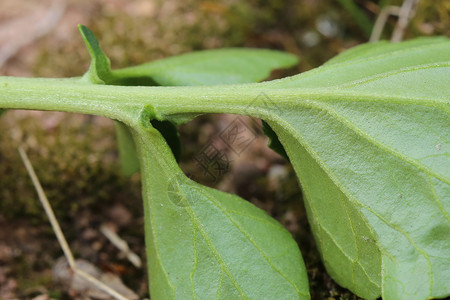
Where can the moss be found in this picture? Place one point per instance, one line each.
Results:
(75, 159)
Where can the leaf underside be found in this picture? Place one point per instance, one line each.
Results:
(206, 244)
(225, 248)
(374, 165)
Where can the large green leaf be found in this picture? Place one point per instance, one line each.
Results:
(371, 149)
(206, 244)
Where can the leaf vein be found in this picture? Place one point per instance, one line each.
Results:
(411, 241)
(261, 220)
(239, 227)
(363, 134)
(325, 68)
(383, 75)
(436, 198)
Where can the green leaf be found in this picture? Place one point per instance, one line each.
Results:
(274, 142)
(383, 48)
(127, 149)
(100, 69)
(2, 111)
(206, 244)
(170, 134)
(360, 64)
(209, 67)
(371, 148)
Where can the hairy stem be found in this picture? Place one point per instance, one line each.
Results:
(119, 102)
(177, 104)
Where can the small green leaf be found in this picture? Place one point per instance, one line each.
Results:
(100, 69)
(208, 67)
(2, 111)
(170, 134)
(206, 244)
(371, 149)
(274, 142)
(127, 149)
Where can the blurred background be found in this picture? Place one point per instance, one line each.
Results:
(76, 156)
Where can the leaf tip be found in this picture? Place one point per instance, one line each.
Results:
(100, 71)
(89, 39)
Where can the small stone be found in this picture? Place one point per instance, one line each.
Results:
(78, 286)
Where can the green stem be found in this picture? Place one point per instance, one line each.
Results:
(127, 103)
(122, 103)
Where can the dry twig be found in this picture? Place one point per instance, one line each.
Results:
(59, 234)
(404, 14)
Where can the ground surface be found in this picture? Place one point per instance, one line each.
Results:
(76, 158)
